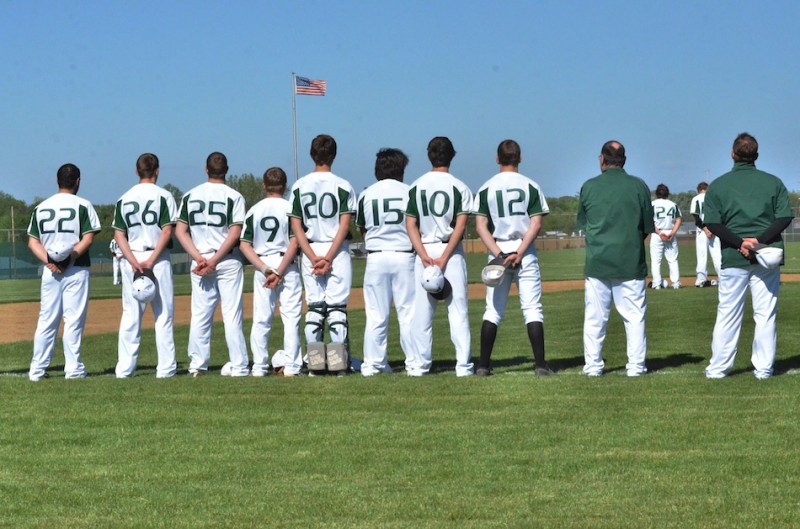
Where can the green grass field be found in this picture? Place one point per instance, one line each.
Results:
(670, 449)
(556, 265)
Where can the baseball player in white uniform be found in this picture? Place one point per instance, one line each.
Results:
(664, 241)
(60, 233)
(705, 241)
(144, 220)
(116, 257)
(209, 226)
(436, 218)
(267, 245)
(322, 206)
(509, 210)
(389, 275)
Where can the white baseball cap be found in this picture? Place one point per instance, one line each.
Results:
(435, 284)
(144, 286)
(59, 251)
(492, 274)
(769, 257)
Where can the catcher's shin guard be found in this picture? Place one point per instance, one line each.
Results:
(337, 323)
(315, 321)
(337, 357)
(316, 356)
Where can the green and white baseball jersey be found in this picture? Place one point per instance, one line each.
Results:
(381, 212)
(697, 206)
(266, 226)
(319, 199)
(210, 209)
(509, 200)
(616, 214)
(435, 200)
(142, 213)
(64, 218)
(665, 213)
(746, 201)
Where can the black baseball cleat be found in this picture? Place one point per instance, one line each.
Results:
(483, 372)
(543, 371)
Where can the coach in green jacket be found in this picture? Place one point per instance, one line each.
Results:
(617, 215)
(745, 208)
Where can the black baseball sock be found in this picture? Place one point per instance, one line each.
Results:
(488, 335)
(536, 337)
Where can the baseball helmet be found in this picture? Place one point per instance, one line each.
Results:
(435, 284)
(492, 274)
(144, 286)
(769, 256)
(59, 251)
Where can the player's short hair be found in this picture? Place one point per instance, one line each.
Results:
(745, 148)
(701, 186)
(613, 153)
(146, 165)
(217, 165)
(509, 153)
(662, 191)
(441, 151)
(390, 163)
(323, 150)
(67, 176)
(275, 181)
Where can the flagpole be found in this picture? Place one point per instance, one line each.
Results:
(294, 120)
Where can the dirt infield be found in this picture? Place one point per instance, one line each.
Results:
(19, 320)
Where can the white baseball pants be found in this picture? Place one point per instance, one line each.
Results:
(631, 304)
(389, 277)
(130, 325)
(425, 306)
(332, 289)
(529, 285)
(704, 246)
(64, 295)
(659, 249)
(223, 286)
(290, 295)
(764, 286)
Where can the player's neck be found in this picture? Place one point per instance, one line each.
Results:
(509, 168)
(68, 191)
(440, 169)
(274, 195)
(147, 180)
(215, 180)
(322, 169)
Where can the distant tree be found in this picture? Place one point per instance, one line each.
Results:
(248, 185)
(563, 215)
(20, 212)
(177, 194)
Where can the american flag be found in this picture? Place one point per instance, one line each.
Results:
(309, 87)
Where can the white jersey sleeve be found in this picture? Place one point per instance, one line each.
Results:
(381, 213)
(319, 200)
(435, 200)
(64, 219)
(509, 200)
(142, 213)
(210, 210)
(266, 226)
(696, 208)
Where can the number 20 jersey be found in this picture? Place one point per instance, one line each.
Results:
(319, 199)
(509, 200)
(142, 212)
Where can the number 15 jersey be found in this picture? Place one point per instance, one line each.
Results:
(381, 213)
(509, 200)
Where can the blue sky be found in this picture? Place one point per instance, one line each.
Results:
(98, 83)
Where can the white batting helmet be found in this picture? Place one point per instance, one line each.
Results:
(144, 286)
